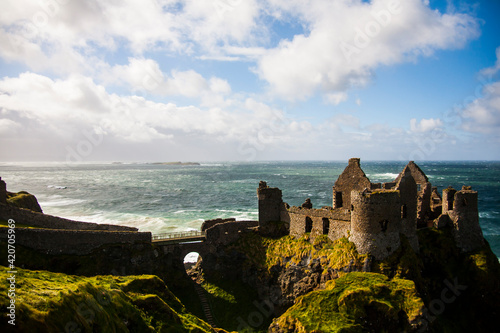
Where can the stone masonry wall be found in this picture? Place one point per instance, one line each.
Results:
(407, 188)
(352, 178)
(465, 220)
(376, 222)
(78, 242)
(210, 223)
(229, 232)
(333, 222)
(28, 217)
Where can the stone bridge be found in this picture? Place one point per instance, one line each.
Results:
(205, 242)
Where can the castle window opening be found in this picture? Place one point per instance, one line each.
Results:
(309, 224)
(464, 202)
(338, 199)
(404, 211)
(450, 202)
(326, 226)
(419, 187)
(383, 225)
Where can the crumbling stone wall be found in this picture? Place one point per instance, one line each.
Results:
(424, 189)
(465, 220)
(28, 217)
(352, 178)
(228, 232)
(78, 242)
(270, 202)
(325, 221)
(407, 188)
(376, 222)
(3, 192)
(210, 223)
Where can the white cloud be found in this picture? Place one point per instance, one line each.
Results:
(66, 107)
(490, 71)
(483, 114)
(425, 125)
(336, 98)
(8, 127)
(145, 75)
(345, 41)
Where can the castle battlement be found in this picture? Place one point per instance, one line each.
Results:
(374, 216)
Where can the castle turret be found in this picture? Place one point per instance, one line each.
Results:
(270, 204)
(376, 222)
(463, 212)
(3, 191)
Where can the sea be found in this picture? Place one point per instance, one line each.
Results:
(163, 198)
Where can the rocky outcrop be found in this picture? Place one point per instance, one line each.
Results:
(24, 200)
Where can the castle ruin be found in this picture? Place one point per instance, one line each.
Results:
(374, 215)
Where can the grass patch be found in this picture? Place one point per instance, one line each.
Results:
(231, 302)
(54, 302)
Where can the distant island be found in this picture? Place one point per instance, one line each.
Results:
(175, 163)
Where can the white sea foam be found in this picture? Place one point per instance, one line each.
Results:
(57, 187)
(387, 175)
(60, 202)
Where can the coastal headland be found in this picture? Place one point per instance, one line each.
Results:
(399, 256)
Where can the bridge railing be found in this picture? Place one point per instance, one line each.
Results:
(178, 235)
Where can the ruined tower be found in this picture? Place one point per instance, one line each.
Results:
(270, 203)
(461, 207)
(3, 191)
(424, 191)
(376, 222)
(407, 188)
(352, 178)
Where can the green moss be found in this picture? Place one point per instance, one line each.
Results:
(350, 303)
(264, 253)
(53, 302)
(23, 200)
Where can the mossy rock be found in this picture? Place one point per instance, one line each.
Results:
(356, 302)
(56, 302)
(23, 200)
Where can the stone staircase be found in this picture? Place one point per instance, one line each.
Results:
(205, 304)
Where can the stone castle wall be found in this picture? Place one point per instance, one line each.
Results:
(28, 217)
(376, 222)
(325, 221)
(465, 220)
(407, 188)
(210, 223)
(77, 242)
(228, 232)
(352, 178)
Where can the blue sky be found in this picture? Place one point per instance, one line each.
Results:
(249, 80)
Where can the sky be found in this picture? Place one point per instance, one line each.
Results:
(249, 80)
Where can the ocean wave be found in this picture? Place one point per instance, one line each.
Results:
(61, 202)
(57, 187)
(387, 175)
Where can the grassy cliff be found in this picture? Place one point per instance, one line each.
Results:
(356, 302)
(55, 302)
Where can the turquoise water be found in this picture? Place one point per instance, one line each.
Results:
(165, 198)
